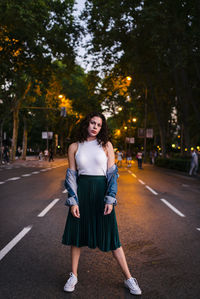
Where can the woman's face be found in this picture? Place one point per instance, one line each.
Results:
(94, 127)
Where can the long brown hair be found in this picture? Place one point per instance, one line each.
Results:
(82, 132)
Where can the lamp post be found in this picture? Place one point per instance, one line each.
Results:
(145, 125)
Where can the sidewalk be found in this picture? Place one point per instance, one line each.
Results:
(34, 162)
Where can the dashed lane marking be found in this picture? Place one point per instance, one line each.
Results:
(26, 174)
(35, 172)
(133, 175)
(151, 190)
(175, 210)
(14, 241)
(13, 179)
(44, 212)
(198, 228)
(143, 183)
(2, 183)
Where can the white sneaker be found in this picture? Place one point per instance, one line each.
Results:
(70, 284)
(133, 286)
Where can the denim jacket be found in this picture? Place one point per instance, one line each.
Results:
(71, 186)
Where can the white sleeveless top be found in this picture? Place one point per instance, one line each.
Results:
(91, 158)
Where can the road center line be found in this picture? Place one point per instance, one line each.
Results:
(172, 207)
(143, 183)
(2, 183)
(198, 228)
(129, 171)
(35, 172)
(14, 241)
(133, 175)
(26, 174)
(13, 179)
(43, 213)
(150, 189)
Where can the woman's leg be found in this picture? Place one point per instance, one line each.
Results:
(75, 255)
(121, 259)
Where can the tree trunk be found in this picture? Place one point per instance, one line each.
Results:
(161, 124)
(1, 144)
(15, 130)
(62, 142)
(163, 139)
(183, 99)
(24, 146)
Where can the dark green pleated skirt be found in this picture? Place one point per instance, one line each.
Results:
(93, 228)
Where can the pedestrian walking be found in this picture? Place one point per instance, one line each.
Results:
(6, 155)
(139, 158)
(91, 181)
(51, 155)
(119, 158)
(46, 154)
(194, 163)
(128, 158)
(40, 156)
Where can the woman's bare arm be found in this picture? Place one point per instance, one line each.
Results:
(111, 162)
(72, 165)
(111, 155)
(71, 155)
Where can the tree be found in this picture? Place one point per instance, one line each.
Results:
(157, 42)
(33, 34)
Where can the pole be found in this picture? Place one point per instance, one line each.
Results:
(145, 125)
(1, 134)
(47, 139)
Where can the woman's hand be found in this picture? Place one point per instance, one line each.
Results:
(75, 211)
(108, 209)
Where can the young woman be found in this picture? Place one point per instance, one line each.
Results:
(91, 181)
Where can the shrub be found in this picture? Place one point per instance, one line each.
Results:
(174, 163)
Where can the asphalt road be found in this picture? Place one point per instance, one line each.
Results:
(159, 227)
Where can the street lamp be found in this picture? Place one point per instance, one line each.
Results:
(128, 78)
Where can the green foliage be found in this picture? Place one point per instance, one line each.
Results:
(157, 43)
(174, 163)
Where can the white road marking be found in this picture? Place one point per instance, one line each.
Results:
(45, 169)
(150, 189)
(26, 174)
(172, 207)
(143, 183)
(185, 185)
(198, 228)
(2, 183)
(43, 213)
(133, 175)
(14, 241)
(13, 179)
(129, 171)
(35, 172)
(65, 191)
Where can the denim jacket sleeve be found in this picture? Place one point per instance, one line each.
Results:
(112, 176)
(71, 186)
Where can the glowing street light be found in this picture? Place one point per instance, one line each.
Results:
(120, 109)
(125, 128)
(134, 119)
(60, 96)
(128, 78)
